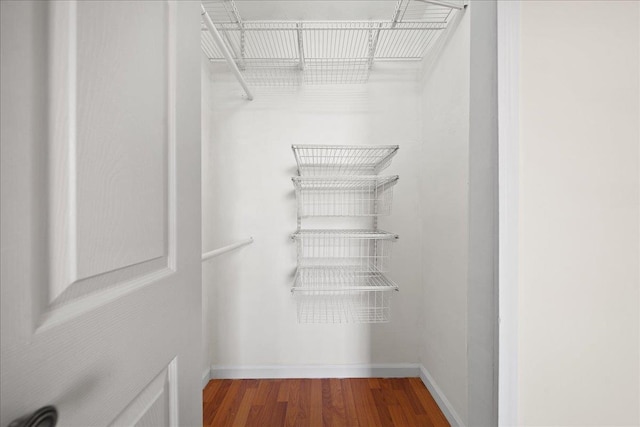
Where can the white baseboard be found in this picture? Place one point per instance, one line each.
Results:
(447, 409)
(206, 376)
(392, 370)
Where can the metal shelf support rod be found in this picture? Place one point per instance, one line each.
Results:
(225, 52)
(444, 3)
(300, 45)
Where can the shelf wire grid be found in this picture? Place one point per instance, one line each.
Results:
(344, 195)
(353, 250)
(355, 307)
(319, 160)
(342, 296)
(283, 53)
(338, 281)
(408, 10)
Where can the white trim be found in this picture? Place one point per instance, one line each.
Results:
(445, 406)
(206, 376)
(172, 385)
(391, 370)
(508, 195)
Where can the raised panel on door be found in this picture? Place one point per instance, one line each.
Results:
(110, 158)
(155, 405)
(122, 135)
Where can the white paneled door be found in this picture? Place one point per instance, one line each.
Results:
(100, 210)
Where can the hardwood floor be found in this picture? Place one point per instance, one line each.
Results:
(365, 402)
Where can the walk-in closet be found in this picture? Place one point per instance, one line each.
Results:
(336, 179)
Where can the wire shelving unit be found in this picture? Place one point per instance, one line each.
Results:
(285, 53)
(340, 276)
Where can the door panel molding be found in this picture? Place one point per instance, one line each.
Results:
(76, 284)
(157, 403)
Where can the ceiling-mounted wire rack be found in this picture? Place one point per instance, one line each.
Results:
(284, 53)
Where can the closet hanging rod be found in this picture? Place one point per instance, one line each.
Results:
(224, 249)
(225, 52)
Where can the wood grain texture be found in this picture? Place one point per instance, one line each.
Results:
(320, 402)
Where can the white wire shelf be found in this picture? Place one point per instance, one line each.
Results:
(336, 281)
(318, 160)
(285, 72)
(344, 195)
(276, 53)
(357, 307)
(353, 250)
(342, 296)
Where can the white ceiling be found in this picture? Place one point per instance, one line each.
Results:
(316, 10)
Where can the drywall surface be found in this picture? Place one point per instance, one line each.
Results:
(482, 304)
(247, 169)
(578, 316)
(444, 207)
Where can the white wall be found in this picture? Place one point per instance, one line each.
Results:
(247, 165)
(444, 205)
(578, 352)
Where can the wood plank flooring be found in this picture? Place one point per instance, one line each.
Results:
(354, 402)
